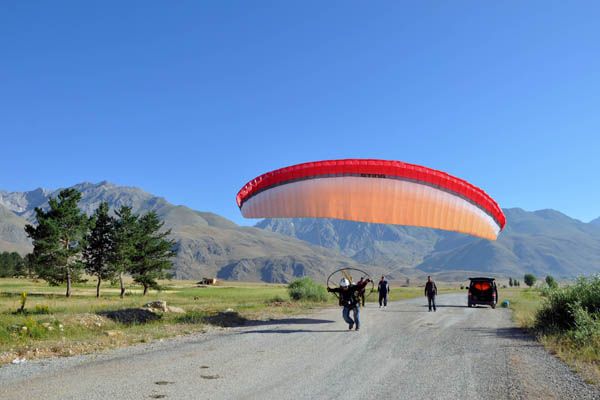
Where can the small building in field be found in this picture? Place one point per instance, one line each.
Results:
(207, 281)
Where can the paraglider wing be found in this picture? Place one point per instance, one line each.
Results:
(377, 191)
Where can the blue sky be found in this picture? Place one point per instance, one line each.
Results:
(189, 100)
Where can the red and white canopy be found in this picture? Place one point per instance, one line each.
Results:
(377, 191)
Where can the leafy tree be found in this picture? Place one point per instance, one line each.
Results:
(124, 235)
(510, 282)
(100, 244)
(58, 239)
(529, 279)
(551, 282)
(153, 252)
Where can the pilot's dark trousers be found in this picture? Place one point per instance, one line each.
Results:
(382, 299)
(431, 302)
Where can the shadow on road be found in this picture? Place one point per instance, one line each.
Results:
(513, 333)
(286, 331)
(233, 319)
(446, 306)
(288, 321)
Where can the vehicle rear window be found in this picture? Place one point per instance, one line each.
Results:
(481, 286)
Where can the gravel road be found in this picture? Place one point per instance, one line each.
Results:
(404, 352)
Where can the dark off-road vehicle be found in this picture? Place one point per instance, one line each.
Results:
(482, 291)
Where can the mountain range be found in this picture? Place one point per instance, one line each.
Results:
(207, 244)
(541, 242)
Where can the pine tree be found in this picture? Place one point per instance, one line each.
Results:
(100, 244)
(124, 233)
(153, 252)
(510, 282)
(59, 238)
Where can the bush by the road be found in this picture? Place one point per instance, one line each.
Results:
(307, 289)
(574, 310)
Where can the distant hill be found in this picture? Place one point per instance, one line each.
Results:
(207, 244)
(542, 242)
(596, 221)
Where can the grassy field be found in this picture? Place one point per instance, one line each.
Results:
(54, 325)
(585, 360)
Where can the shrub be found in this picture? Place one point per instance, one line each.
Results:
(306, 289)
(23, 301)
(562, 306)
(41, 309)
(587, 327)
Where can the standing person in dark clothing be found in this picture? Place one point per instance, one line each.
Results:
(348, 293)
(361, 292)
(383, 288)
(430, 292)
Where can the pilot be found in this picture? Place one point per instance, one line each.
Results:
(349, 299)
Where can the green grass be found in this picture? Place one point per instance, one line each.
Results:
(55, 325)
(524, 304)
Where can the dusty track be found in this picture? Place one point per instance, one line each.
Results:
(403, 352)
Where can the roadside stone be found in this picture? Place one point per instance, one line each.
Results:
(158, 305)
(161, 306)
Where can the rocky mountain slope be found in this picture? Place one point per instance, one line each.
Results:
(12, 232)
(542, 242)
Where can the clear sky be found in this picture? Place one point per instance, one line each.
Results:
(189, 99)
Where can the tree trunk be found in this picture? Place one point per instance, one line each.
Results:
(68, 282)
(122, 284)
(98, 288)
(145, 289)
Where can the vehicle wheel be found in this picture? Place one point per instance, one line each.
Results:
(469, 304)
